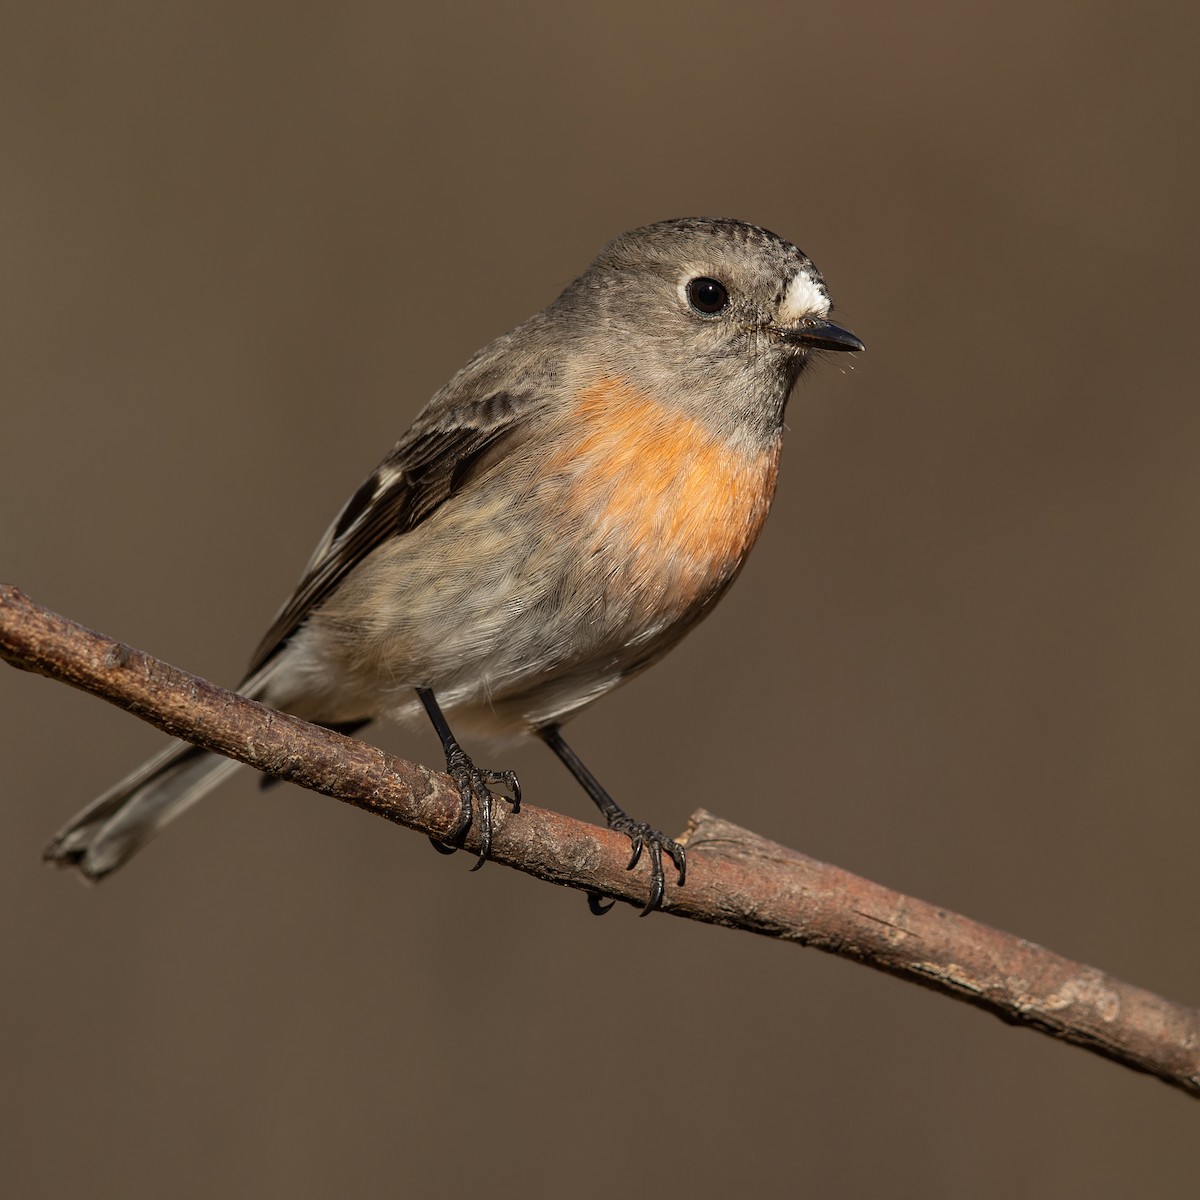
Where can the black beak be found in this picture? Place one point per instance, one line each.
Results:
(819, 335)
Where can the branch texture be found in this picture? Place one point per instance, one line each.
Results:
(735, 878)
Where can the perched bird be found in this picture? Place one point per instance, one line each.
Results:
(559, 515)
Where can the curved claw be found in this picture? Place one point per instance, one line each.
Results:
(510, 781)
(679, 858)
(485, 828)
(596, 906)
(442, 847)
(637, 851)
(657, 882)
(464, 812)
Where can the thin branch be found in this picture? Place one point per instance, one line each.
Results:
(735, 877)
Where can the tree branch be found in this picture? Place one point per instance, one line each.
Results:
(735, 877)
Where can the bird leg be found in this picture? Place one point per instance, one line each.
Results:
(472, 783)
(640, 834)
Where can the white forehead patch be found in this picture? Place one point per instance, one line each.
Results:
(805, 297)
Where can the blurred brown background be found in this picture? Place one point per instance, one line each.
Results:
(241, 245)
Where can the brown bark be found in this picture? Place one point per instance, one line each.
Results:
(735, 878)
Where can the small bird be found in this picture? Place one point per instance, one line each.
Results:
(559, 515)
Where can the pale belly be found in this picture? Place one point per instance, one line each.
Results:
(541, 590)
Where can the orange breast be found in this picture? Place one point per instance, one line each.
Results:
(671, 505)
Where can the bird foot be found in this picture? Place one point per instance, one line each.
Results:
(473, 785)
(646, 837)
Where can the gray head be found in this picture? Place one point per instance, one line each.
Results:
(723, 313)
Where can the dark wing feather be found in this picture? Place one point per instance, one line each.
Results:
(424, 470)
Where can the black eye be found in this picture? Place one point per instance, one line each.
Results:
(707, 295)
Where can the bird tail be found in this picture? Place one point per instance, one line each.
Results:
(114, 827)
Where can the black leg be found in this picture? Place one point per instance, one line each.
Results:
(638, 832)
(472, 784)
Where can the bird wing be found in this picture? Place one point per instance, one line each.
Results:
(436, 459)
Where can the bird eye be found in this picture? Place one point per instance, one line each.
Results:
(707, 296)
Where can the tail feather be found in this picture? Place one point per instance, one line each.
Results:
(118, 824)
(115, 826)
